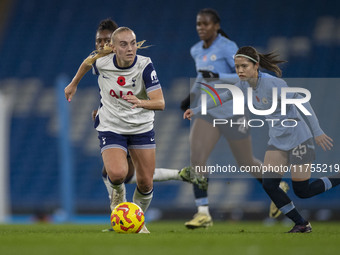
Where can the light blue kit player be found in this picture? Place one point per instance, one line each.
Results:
(290, 144)
(213, 56)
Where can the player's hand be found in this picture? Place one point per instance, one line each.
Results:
(185, 104)
(136, 103)
(188, 114)
(324, 141)
(94, 114)
(209, 74)
(70, 90)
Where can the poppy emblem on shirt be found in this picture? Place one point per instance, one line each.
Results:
(121, 80)
(205, 58)
(258, 99)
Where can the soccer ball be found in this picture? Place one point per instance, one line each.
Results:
(127, 218)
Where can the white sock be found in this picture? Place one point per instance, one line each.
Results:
(118, 187)
(108, 186)
(143, 200)
(203, 209)
(161, 174)
(165, 174)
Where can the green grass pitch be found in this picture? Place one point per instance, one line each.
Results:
(169, 237)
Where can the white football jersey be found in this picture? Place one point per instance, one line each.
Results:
(114, 113)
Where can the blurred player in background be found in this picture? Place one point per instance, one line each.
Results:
(213, 57)
(287, 146)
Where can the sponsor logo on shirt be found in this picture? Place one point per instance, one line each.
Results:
(154, 77)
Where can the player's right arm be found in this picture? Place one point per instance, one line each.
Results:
(71, 89)
(86, 66)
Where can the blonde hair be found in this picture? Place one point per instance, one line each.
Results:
(120, 30)
(123, 29)
(94, 55)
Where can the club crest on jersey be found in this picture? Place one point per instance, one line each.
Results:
(121, 80)
(213, 57)
(264, 100)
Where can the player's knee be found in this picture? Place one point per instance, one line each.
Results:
(116, 180)
(301, 189)
(117, 176)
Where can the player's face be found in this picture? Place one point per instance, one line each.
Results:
(246, 69)
(125, 47)
(206, 28)
(103, 37)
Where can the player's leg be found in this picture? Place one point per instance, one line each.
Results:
(116, 166)
(303, 188)
(187, 174)
(271, 184)
(160, 174)
(144, 161)
(106, 182)
(131, 176)
(203, 138)
(243, 154)
(166, 174)
(114, 151)
(142, 149)
(301, 173)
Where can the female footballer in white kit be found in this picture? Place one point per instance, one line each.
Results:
(130, 92)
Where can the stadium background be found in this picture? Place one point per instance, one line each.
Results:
(41, 41)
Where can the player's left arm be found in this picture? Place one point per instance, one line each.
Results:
(155, 101)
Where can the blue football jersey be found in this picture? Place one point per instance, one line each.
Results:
(218, 58)
(284, 137)
(288, 136)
